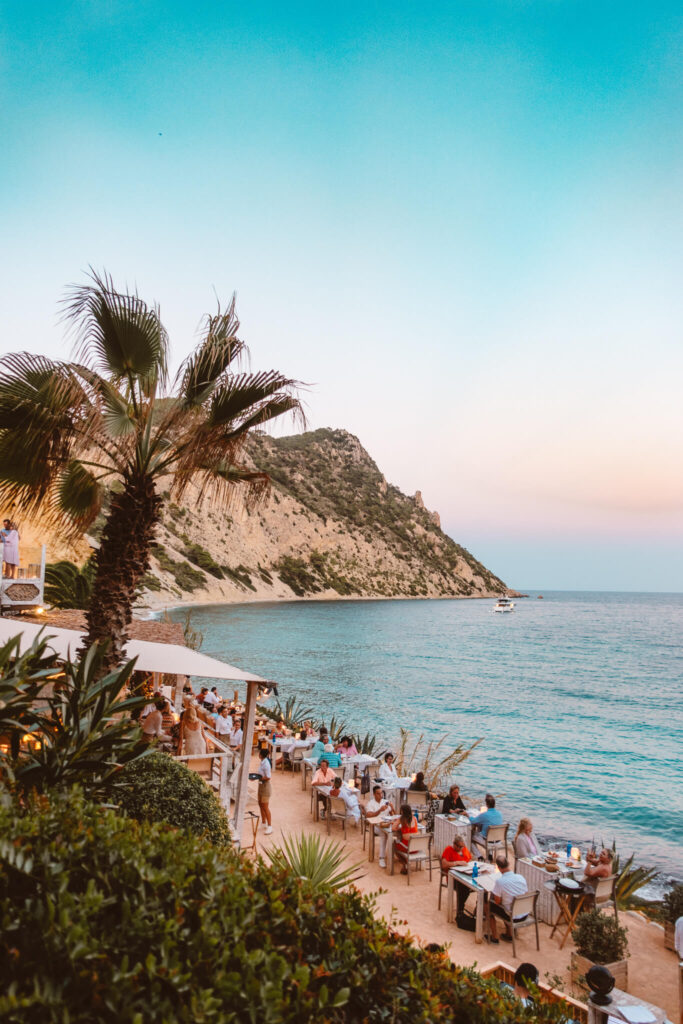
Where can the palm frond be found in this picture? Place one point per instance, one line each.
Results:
(117, 331)
(315, 862)
(220, 347)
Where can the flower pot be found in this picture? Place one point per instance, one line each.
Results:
(669, 931)
(581, 964)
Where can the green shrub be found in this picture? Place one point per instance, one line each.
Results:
(599, 938)
(201, 557)
(157, 788)
(109, 919)
(186, 577)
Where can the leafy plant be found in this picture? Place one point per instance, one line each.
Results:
(315, 861)
(105, 918)
(194, 638)
(67, 724)
(599, 938)
(369, 744)
(629, 878)
(293, 713)
(430, 759)
(203, 558)
(337, 729)
(68, 585)
(157, 788)
(672, 903)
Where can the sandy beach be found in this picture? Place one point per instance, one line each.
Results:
(652, 968)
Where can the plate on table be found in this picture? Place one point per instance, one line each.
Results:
(569, 883)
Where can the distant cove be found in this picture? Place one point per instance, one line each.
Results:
(577, 696)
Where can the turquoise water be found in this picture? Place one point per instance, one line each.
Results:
(577, 697)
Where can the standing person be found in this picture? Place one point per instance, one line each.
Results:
(264, 791)
(10, 550)
(192, 738)
(236, 736)
(387, 772)
(223, 723)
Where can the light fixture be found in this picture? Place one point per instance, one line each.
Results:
(600, 982)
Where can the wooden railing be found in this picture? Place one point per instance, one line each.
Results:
(503, 971)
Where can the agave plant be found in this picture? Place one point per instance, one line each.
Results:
(369, 744)
(293, 714)
(430, 759)
(629, 878)
(317, 862)
(65, 724)
(337, 729)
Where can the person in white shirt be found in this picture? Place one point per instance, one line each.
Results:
(387, 772)
(223, 722)
(264, 790)
(211, 697)
(508, 886)
(350, 798)
(376, 810)
(236, 736)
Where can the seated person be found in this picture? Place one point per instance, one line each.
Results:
(350, 798)
(453, 802)
(301, 741)
(482, 822)
(456, 853)
(387, 773)
(525, 975)
(419, 786)
(201, 696)
(508, 885)
(347, 748)
(311, 734)
(323, 777)
(405, 826)
(376, 810)
(319, 745)
(597, 867)
(525, 842)
(331, 756)
(211, 698)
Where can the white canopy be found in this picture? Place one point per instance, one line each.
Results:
(172, 659)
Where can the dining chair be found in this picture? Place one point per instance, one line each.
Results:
(419, 850)
(606, 894)
(336, 810)
(296, 759)
(417, 800)
(495, 840)
(522, 913)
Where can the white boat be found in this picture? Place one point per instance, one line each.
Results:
(504, 604)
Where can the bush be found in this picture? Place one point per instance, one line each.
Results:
(672, 904)
(599, 938)
(109, 919)
(157, 788)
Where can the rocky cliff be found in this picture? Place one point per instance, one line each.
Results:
(331, 527)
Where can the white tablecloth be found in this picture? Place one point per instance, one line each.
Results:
(536, 878)
(445, 832)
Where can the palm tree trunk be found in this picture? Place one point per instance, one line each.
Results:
(120, 561)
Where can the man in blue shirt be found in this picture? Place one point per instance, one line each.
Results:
(319, 746)
(491, 816)
(330, 755)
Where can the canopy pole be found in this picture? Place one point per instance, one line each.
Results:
(247, 744)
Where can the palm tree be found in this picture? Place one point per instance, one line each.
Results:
(106, 422)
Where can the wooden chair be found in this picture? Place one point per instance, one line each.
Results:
(364, 823)
(606, 894)
(336, 810)
(495, 840)
(419, 850)
(419, 801)
(521, 905)
(443, 882)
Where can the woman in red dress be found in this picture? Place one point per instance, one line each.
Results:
(406, 825)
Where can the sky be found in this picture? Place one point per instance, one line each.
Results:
(459, 223)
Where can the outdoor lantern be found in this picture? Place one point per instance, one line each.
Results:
(576, 853)
(413, 777)
(601, 982)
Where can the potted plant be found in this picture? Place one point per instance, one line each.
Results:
(672, 905)
(600, 940)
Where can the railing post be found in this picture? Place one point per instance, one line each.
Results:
(247, 742)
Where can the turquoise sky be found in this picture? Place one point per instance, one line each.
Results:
(460, 222)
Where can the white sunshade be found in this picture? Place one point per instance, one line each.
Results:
(172, 659)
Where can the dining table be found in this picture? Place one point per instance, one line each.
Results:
(394, 790)
(461, 876)
(537, 877)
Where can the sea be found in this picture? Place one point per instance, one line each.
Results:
(577, 698)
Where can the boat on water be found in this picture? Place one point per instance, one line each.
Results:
(504, 604)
